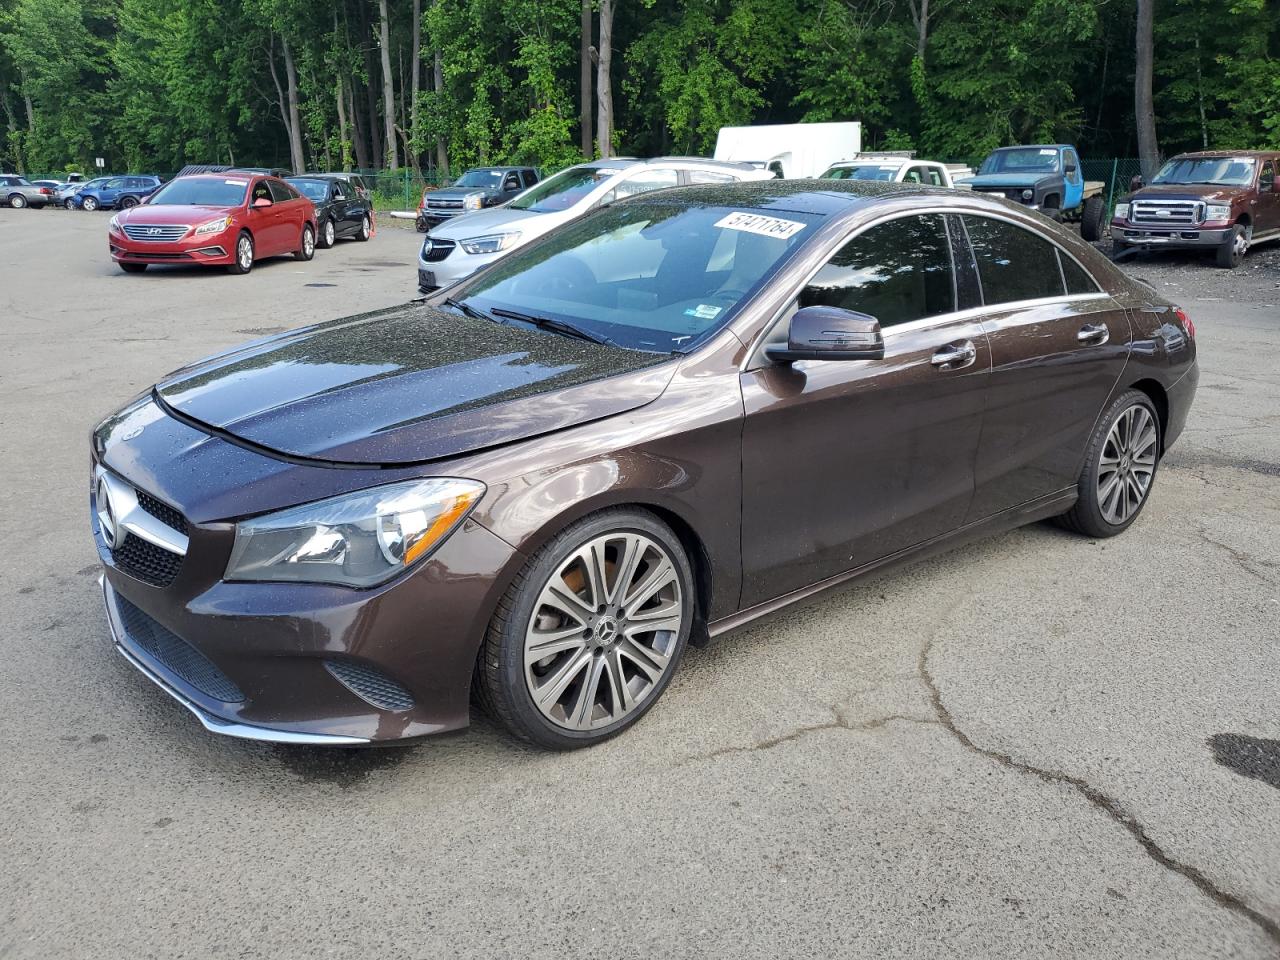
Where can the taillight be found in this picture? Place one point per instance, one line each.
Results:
(1187, 325)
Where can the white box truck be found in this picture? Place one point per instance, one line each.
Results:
(791, 150)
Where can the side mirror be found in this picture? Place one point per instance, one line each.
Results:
(261, 202)
(1137, 183)
(829, 333)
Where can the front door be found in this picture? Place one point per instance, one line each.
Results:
(1058, 346)
(845, 462)
(1268, 207)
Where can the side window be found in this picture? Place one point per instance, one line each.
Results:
(115, 184)
(1070, 163)
(261, 191)
(935, 177)
(706, 176)
(280, 192)
(644, 182)
(339, 192)
(1013, 263)
(1267, 178)
(1077, 280)
(914, 175)
(511, 182)
(897, 272)
(530, 178)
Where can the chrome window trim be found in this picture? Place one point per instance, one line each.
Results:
(757, 343)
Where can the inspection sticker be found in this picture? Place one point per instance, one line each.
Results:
(704, 311)
(765, 226)
(1048, 153)
(237, 183)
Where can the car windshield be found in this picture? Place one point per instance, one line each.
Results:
(314, 190)
(646, 276)
(563, 190)
(1227, 171)
(479, 178)
(202, 192)
(1021, 160)
(863, 171)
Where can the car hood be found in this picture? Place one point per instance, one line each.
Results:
(1009, 179)
(170, 214)
(1189, 191)
(408, 385)
(500, 218)
(457, 193)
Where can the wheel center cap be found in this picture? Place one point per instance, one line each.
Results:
(606, 630)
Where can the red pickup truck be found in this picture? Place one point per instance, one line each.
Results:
(1219, 200)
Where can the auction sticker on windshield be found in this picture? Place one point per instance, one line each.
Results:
(765, 226)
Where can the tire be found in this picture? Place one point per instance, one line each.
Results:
(307, 245)
(328, 234)
(90, 203)
(366, 229)
(1092, 219)
(584, 702)
(69, 204)
(127, 202)
(17, 201)
(244, 254)
(1127, 438)
(1231, 251)
(132, 267)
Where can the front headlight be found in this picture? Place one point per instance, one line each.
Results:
(359, 539)
(212, 227)
(1122, 211)
(473, 201)
(1028, 194)
(114, 224)
(493, 243)
(1217, 211)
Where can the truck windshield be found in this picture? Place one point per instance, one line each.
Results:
(563, 190)
(1021, 160)
(1227, 171)
(202, 192)
(479, 178)
(863, 171)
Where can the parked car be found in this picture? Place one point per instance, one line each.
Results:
(476, 189)
(70, 197)
(340, 211)
(457, 249)
(53, 187)
(678, 414)
(1048, 178)
(18, 192)
(362, 184)
(222, 219)
(117, 192)
(891, 169)
(1222, 201)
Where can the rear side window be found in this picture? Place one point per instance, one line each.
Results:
(281, 191)
(707, 176)
(1077, 280)
(644, 182)
(897, 272)
(1267, 178)
(529, 177)
(1013, 264)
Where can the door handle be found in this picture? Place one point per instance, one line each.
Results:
(955, 356)
(1094, 334)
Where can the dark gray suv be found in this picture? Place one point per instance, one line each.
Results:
(477, 189)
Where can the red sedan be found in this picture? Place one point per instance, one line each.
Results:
(226, 219)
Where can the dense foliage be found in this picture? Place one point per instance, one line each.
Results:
(153, 84)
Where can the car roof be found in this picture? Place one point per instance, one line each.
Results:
(1216, 154)
(1035, 146)
(824, 197)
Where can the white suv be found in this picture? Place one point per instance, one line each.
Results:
(463, 245)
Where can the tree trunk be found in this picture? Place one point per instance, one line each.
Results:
(282, 100)
(14, 138)
(437, 84)
(415, 76)
(294, 125)
(604, 85)
(1144, 106)
(392, 153)
(357, 133)
(1204, 125)
(920, 17)
(344, 143)
(371, 96)
(584, 83)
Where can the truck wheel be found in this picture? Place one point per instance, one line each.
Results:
(1231, 250)
(1091, 219)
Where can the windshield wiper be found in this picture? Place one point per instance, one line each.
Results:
(562, 327)
(474, 312)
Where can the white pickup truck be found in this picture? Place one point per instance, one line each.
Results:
(896, 169)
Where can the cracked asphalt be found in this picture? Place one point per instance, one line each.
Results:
(1038, 745)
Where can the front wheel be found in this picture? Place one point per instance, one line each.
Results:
(17, 201)
(1119, 468)
(69, 204)
(307, 248)
(1232, 249)
(90, 203)
(1092, 218)
(328, 234)
(244, 255)
(590, 632)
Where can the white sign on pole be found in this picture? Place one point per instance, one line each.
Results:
(99, 162)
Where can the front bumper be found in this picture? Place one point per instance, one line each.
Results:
(433, 274)
(1175, 237)
(216, 250)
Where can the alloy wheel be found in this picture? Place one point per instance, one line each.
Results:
(330, 234)
(90, 204)
(1127, 464)
(308, 243)
(244, 252)
(603, 631)
(18, 201)
(364, 229)
(1241, 245)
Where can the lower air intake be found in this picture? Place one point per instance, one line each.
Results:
(370, 685)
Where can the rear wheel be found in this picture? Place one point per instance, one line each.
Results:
(366, 228)
(1091, 219)
(90, 203)
(17, 201)
(1232, 249)
(307, 247)
(590, 632)
(132, 267)
(127, 202)
(1119, 468)
(244, 255)
(328, 234)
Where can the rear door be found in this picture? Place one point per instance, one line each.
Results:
(846, 462)
(1058, 346)
(1268, 207)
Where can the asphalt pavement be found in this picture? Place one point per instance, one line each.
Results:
(1039, 745)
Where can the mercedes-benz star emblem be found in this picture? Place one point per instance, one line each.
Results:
(107, 515)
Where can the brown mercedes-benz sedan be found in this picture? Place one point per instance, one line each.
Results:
(660, 422)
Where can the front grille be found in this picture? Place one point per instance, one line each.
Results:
(370, 685)
(155, 234)
(144, 560)
(1167, 213)
(1010, 193)
(444, 204)
(153, 255)
(176, 655)
(433, 250)
(162, 512)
